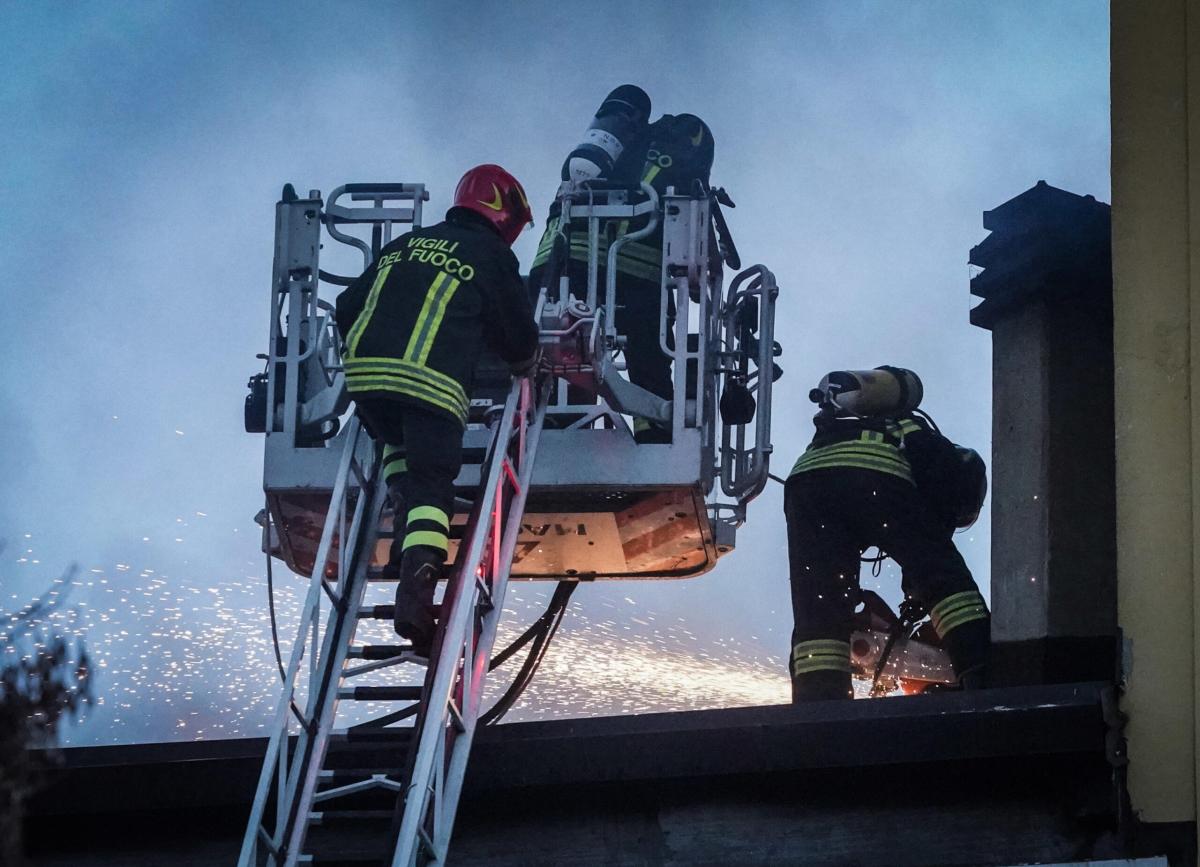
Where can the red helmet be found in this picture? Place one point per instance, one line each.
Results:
(498, 197)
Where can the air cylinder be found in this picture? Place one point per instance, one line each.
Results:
(619, 121)
(884, 391)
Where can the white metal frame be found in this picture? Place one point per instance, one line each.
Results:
(290, 779)
(446, 724)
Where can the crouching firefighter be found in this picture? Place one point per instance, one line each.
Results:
(413, 326)
(879, 474)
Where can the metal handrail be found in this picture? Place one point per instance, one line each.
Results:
(744, 472)
(610, 282)
(334, 213)
(681, 355)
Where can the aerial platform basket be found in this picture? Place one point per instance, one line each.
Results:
(601, 505)
(554, 486)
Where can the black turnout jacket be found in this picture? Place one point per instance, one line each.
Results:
(414, 323)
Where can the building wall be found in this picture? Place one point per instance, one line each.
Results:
(1156, 271)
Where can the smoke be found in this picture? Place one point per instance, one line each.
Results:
(146, 143)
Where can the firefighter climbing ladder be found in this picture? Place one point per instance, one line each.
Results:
(447, 708)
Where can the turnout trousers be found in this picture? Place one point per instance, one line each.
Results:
(422, 454)
(833, 515)
(638, 311)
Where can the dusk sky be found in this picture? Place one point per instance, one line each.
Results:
(143, 147)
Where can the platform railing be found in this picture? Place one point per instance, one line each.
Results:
(745, 468)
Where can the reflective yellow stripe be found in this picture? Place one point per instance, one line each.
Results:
(395, 463)
(438, 378)
(823, 654)
(396, 468)
(635, 268)
(578, 249)
(897, 463)
(429, 377)
(884, 451)
(880, 457)
(400, 386)
(953, 621)
(651, 174)
(439, 313)
(431, 538)
(429, 513)
(414, 339)
(648, 253)
(821, 644)
(955, 600)
(360, 324)
(908, 426)
(885, 469)
(365, 380)
(957, 609)
(542, 256)
(821, 663)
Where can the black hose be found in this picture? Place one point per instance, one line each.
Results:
(540, 633)
(929, 419)
(271, 597)
(335, 279)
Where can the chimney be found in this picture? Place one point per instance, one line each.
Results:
(1046, 286)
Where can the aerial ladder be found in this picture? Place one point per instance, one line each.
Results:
(553, 487)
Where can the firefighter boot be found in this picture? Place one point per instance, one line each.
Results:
(420, 569)
(821, 686)
(646, 432)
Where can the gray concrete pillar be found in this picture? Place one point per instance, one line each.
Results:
(1046, 286)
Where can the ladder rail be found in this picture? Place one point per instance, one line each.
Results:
(461, 646)
(275, 762)
(323, 699)
(473, 698)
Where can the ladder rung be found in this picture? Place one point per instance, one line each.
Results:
(378, 651)
(367, 733)
(355, 775)
(387, 612)
(324, 816)
(456, 716)
(428, 843)
(376, 574)
(377, 612)
(299, 715)
(456, 531)
(381, 693)
(341, 857)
